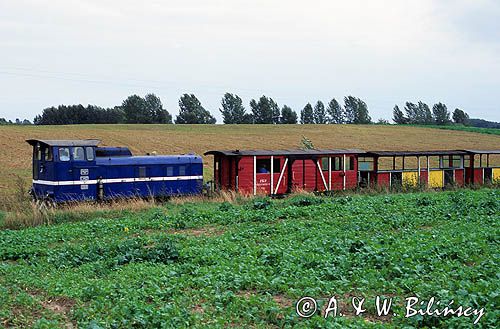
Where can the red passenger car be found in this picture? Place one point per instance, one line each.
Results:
(284, 171)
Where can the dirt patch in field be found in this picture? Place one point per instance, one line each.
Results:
(202, 231)
(29, 315)
(280, 299)
(209, 231)
(61, 306)
(283, 301)
(198, 309)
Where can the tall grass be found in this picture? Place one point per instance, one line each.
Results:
(21, 211)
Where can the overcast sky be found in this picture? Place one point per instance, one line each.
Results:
(385, 52)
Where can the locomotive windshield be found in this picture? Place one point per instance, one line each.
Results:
(64, 154)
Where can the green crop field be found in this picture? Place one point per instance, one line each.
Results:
(245, 264)
(489, 131)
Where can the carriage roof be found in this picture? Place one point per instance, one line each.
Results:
(64, 142)
(290, 152)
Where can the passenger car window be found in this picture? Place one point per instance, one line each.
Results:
(78, 154)
(324, 164)
(351, 163)
(90, 153)
(64, 154)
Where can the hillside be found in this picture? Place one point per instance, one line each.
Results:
(15, 155)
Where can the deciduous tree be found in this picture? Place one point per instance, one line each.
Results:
(192, 112)
(288, 116)
(398, 116)
(232, 109)
(441, 114)
(460, 117)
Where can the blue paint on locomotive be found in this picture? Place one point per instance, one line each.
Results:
(70, 170)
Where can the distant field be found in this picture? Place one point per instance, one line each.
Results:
(491, 131)
(15, 154)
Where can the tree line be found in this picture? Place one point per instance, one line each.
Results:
(149, 109)
(18, 121)
(134, 109)
(264, 110)
(421, 114)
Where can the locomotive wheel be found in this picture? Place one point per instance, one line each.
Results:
(43, 205)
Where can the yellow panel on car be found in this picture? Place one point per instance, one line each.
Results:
(410, 178)
(496, 175)
(436, 178)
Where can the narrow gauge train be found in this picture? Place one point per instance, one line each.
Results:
(66, 170)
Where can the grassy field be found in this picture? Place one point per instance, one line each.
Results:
(245, 265)
(15, 154)
(490, 131)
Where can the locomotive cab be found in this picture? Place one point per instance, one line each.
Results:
(64, 170)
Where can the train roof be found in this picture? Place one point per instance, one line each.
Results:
(65, 142)
(414, 153)
(289, 152)
(148, 160)
(429, 153)
(483, 151)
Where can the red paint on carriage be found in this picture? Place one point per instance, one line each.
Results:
(424, 176)
(249, 172)
(459, 177)
(478, 176)
(384, 179)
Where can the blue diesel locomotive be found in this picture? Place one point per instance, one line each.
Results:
(67, 170)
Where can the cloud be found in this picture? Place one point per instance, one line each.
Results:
(296, 51)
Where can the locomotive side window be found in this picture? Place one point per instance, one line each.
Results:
(182, 170)
(64, 154)
(90, 153)
(48, 154)
(170, 171)
(38, 152)
(78, 154)
(142, 172)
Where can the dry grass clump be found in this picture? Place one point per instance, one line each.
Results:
(21, 211)
(215, 197)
